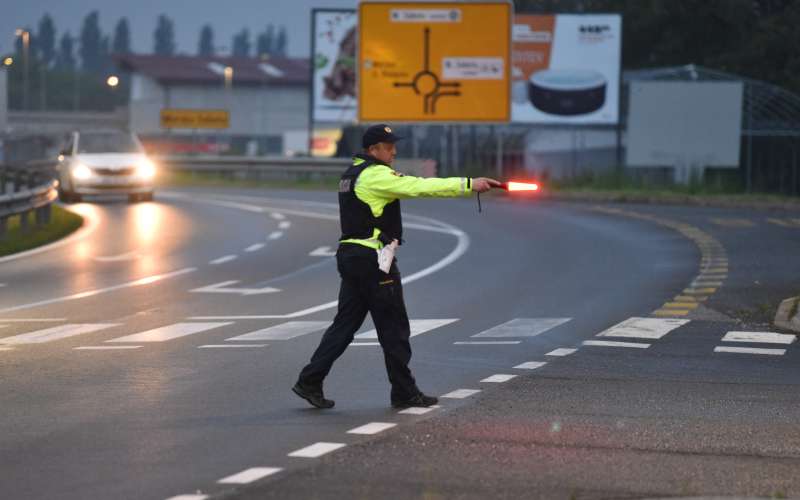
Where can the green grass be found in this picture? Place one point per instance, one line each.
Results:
(62, 223)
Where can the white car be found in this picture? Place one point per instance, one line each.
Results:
(104, 161)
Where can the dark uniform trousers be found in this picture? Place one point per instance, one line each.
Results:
(365, 288)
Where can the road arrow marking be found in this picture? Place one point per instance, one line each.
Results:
(220, 288)
(323, 252)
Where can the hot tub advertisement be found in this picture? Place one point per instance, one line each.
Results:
(565, 69)
(333, 48)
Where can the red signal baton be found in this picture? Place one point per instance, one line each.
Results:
(519, 186)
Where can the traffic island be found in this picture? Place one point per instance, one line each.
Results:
(19, 237)
(788, 315)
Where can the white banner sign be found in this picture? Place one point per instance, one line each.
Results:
(333, 55)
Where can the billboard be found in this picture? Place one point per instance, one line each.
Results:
(195, 118)
(684, 124)
(566, 69)
(333, 55)
(434, 61)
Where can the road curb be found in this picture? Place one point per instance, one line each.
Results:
(677, 199)
(788, 314)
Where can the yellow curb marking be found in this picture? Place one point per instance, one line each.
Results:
(671, 312)
(680, 305)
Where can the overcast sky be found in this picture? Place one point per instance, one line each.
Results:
(227, 17)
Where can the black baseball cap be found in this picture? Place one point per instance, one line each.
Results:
(378, 133)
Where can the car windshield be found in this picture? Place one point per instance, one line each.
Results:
(107, 143)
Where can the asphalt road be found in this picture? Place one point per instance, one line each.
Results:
(123, 376)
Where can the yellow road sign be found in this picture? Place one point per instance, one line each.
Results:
(441, 62)
(194, 118)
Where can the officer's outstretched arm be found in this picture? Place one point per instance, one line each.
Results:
(381, 180)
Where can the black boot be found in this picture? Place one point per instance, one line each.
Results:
(313, 395)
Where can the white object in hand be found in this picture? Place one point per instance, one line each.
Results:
(386, 256)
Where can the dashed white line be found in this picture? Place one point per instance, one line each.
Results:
(461, 393)
(195, 496)
(222, 260)
(417, 327)
(750, 350)
(274, 235)
(561, 351)
(223, 346)
(169, 332)
(283, 331)
(418, 410)
(316, 450)
(254, 248)
(277, 216)
(106, 347)
(759, 337)
(32, 320)
(365, 343)
(531, 365)
(285, 225)
(6, 348)
(498, 378)
(250, 475)
(56, 333)
(604, 343)
(372, 428)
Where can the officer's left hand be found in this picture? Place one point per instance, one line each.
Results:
(483, 184)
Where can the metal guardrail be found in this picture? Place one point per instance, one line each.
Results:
(25, 190)
(249, 167)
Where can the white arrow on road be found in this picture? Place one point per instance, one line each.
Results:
(220, 288)
(323, 252)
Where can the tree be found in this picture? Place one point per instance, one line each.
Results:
(122, 37)
(281, 42)
(264, 42)
(241, 43)
(46, 39)
(164, 36)
(65, 58)
(91, 38)
(206, 45)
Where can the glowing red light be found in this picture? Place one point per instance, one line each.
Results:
(523, 186)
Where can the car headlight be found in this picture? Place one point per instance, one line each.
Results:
(146, 169)
(81, 172)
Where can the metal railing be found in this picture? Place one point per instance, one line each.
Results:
(26, 190)
(257, 168)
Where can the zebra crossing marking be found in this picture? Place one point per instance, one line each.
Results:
(759, 337)
(225, 346)
(643, 328)
(460, 393)
(372, 428)
(531, 365)
(250, 475)
(498, 378)
(169, 332)
(284, 331)
(316, 450)
(106, 347)
(55, 333)
(418, 410)
(750, 350)
(418, 327)
(561, 351)
(606, 343)
(522, 327)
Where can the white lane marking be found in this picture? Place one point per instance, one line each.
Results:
(254, 247)
(222, 346)
(221, 288)
(6, 348)
(606, 343)
(759, 337)
(418, 410)
(498, 378)
(169, 332)
(418, 327)
(372, 428)
(489, 342)
(277, 215)
(365, 343)
(117, 258)
(2, 285)
(250, 475)
(55, 333)
(316, 450)
(461, 393)
(192, 496)
(224, 259)
(283, 331)
(32, 320)
(285, 225)
(322, 252)
(643, 328)
(440, 227)
(106, 347)
(274, 235)
(90, 293)
(750, 350)
(92, 223)
(523, 327)
(531, 365)
(561, 351)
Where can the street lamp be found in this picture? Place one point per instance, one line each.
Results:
(26, 42)
(228, 71)
(112, 81)
(8, 61)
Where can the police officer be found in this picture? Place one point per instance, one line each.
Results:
(369, 209)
